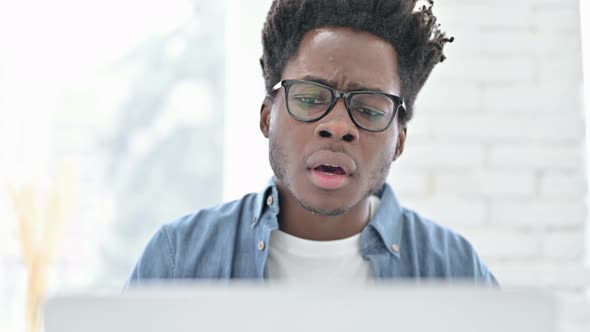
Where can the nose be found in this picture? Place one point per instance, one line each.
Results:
(338, 125)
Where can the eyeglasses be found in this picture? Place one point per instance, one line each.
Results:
(309, 101)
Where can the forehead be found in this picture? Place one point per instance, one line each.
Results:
(346, 59)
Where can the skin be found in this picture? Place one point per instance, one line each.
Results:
(346, 60)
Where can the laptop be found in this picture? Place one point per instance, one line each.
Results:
(261, 308)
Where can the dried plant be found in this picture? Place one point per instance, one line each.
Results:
(41, 219)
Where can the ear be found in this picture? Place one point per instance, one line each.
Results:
(265, 109)
(401, 141)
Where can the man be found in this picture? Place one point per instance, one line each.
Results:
(341, 80)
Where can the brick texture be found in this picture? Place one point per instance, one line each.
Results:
(498, 152)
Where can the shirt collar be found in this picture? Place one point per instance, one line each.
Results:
(386, 221)
(268, 198)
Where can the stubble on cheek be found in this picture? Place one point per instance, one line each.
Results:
(379, 175)
(278, 159)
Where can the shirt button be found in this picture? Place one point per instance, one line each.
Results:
(395, 247)
(269, 201)
(261, 245)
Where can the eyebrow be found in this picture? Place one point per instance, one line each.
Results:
(353, 86)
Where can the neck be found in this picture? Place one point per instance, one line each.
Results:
(300, 222)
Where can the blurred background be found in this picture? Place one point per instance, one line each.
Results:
(118, 116)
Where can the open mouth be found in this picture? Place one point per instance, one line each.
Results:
(330, 170)
(329, 177)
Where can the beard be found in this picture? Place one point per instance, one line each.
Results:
(278, 162)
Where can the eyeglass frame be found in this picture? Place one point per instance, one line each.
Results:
(337, 94)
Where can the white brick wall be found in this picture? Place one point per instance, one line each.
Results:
(563, 246)
(562, 185)
(527, 156)
(496, 150)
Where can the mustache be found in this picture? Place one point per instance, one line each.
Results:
(333, 147)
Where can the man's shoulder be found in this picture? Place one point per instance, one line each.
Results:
(441, 249)
(196, 245)
(416, 230)
(431, 232)
(215, 220)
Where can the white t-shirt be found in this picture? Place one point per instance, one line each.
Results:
(295, 259)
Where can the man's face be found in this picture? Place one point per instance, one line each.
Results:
(330, 165)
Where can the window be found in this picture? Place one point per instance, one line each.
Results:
(128, 99)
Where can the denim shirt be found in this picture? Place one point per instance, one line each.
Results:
(231, 241)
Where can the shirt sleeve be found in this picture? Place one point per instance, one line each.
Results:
(481, 273)
(486, 277)
(156, 261)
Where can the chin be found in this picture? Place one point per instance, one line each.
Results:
(324, 210)
(327, 203)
